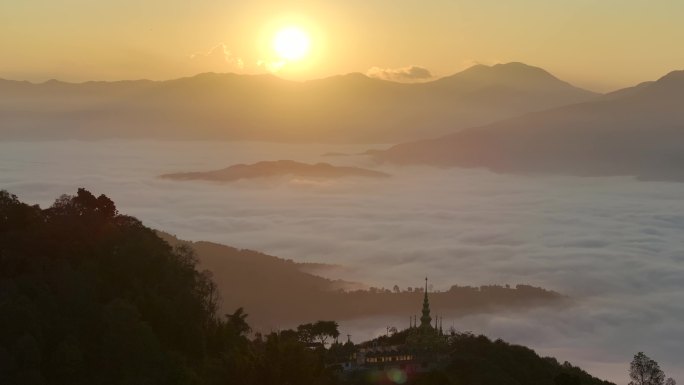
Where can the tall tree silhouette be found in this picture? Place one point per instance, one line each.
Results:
(645, 371)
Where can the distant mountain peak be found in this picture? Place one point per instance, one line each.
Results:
(670, 86)
(355, 75)
(518, 67)
(514, 75)
(512, 68)
(230, 75)
(674, 76)
(351, 76)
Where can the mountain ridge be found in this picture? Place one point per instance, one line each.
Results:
(351, 108)
(283, 292)
(637, 132)
(354, 74)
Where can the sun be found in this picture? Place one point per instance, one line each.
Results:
(291, 44)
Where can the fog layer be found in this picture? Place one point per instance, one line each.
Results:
(613, 244)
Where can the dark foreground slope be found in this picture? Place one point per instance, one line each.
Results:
(348, 108)
(89, 296)
(637, 132)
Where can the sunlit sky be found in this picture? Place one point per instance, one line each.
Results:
(597, 44)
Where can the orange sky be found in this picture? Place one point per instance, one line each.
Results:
(601, 45)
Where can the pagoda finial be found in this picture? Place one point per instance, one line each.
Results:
(425, 319)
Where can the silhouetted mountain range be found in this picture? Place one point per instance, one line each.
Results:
(276, 168)
(347, 108)
(637, 131)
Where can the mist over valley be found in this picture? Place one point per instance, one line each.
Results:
(610, 244)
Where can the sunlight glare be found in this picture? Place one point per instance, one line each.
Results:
(291, 43)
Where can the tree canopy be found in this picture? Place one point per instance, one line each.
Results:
(643, 370)
(91, 296)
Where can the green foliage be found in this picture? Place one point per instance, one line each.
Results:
(284, 359)
(643, 370)
(476, 360)
(318, 333)
(90, 296)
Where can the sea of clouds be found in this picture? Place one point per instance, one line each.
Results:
(615, 245)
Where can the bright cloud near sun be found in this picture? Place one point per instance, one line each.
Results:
(217, 59)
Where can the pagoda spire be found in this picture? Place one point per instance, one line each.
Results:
(425, 319)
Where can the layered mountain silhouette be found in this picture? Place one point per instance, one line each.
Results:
(347, 108)
(280, 292)
(637, 131)
(277, 168)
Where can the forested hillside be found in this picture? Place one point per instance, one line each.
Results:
(281, 293)
(90, 296)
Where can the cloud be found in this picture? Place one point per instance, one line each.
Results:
(612, 244)
(272, 66)
(217, 59)
(404, 74)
